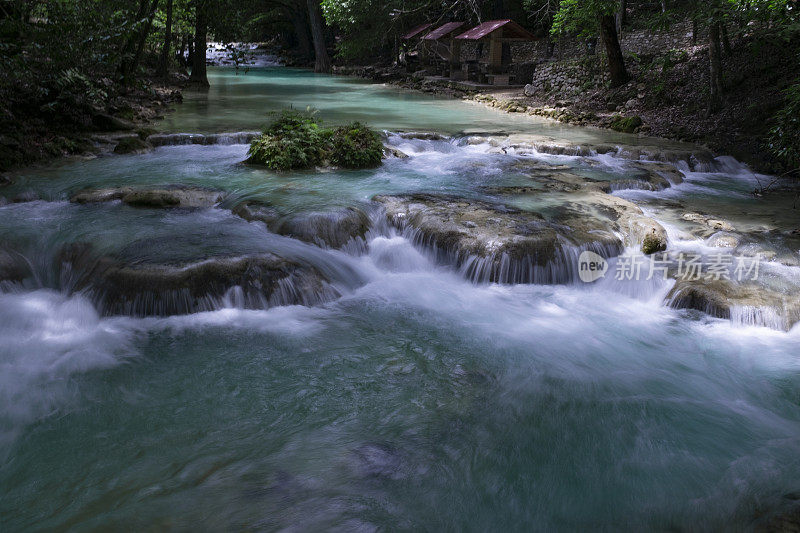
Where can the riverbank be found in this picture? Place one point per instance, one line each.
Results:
(35, 137)
(661, 100)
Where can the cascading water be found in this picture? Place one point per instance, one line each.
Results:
(259, 363)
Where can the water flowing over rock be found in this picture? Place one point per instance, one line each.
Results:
(131, 145)
(181, 139)
(752, 304)
(495, 243)
(12, 267)
(170, 196)
(252, 282)
(332, 228)
(590, 198)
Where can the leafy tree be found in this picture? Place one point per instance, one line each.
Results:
(589, 17)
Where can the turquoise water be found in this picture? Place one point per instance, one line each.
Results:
(416, 401)
(243, 103)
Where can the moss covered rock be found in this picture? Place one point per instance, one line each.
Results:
(626, 124)
(131, 145)
(653, 242)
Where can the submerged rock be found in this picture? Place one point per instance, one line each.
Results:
(255, 211)
(493, 242)
(172, 196)
(258, 281)
(333, 228)
(379, 460)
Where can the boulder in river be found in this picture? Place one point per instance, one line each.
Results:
(494, 242)
(131, 145)
(332, 228)
(745, 303)
(171, 196)
(256, 281)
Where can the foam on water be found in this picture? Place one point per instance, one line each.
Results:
(569, 406)
(47, 339)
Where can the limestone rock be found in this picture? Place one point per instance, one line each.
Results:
(157, 290)
(529, 90)
(131, 145)
(747, 303)
(171, 196)
(333, 228)
(493, 242)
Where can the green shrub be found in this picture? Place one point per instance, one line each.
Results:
(356, 146)
(784, 137)
(292, 140)
(295, 140)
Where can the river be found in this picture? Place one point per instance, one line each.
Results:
(409, 394)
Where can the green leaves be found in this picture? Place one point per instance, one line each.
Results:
(294, 140)
(356, 146)
(784, 137)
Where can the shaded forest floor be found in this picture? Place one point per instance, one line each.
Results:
(31, 134)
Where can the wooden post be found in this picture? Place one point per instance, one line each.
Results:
(495, 53)
(455, 57)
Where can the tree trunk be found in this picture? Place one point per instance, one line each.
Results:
(140, 47)
(199, 76)
(127, 48)
(616, 63)
(622, 15)
(715, 65)
(322, 63)
(190, 54)
(726, 42)
(163, 66)
(300, 23)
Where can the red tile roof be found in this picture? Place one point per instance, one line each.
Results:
(511, 30)
(442, 31)
(416, 31)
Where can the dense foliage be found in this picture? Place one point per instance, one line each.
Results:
(294, 139)
(355, 146)
(784, 138)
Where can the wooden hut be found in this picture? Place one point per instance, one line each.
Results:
(447, 47)
(496, 33)
(415, 35)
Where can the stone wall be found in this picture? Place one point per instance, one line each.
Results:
(678, 35)
(568, 78)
